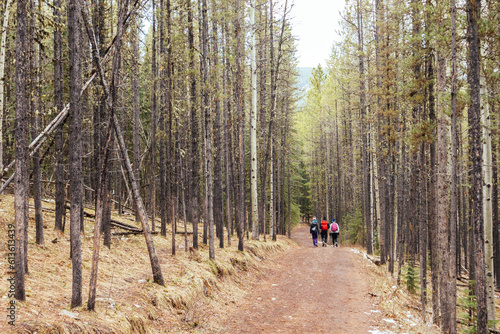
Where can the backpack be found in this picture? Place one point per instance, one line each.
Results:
(324, 226)
(334, 227)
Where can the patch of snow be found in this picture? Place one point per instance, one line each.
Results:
(375, 311)
(275, 285)
(141, 281)
(378, 331)
(138, 306)
(367, 313)
(391, 321)
(273, 298)
(69, 314)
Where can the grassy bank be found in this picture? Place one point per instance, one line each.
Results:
(196, 290)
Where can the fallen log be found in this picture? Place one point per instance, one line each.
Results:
(375, 260)
(131, 233)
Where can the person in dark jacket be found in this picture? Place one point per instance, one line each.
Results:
(314, 231)
(324, 227)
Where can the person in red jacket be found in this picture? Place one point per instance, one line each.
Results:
(324, 226)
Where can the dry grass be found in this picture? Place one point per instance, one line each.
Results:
(406, 308)
(127, 299)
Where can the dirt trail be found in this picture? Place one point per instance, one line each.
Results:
(311, 290)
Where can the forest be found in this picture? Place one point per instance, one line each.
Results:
(187, 116)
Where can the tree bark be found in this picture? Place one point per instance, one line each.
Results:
(136, 105)
(208, 137)
(253, 128)
(487, 198)
(473, 12)
(442, 198)
(3, 41)
(75, 149)
(21, 154)
(239, 106)
(218, 178)
(195, 166)
(36, 124)
(454, 179)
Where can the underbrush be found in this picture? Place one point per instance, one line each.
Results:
(402, 303)
(127, 299)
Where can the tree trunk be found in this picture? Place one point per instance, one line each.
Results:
(227, 148)
(473, 12)
(239, 105)
(21, 154)
(487, 198)
(75, 149)
(454, 163)
(36, 123)
(58, 138)
(164, 103)
(136, 105)
(3, 41)
(208, 136)
(155, 265)
(218, 198)
(253, 128)
(442, 198)
(194, 184)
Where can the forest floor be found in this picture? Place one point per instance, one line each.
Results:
(285, 286)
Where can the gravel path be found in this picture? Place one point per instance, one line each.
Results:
(311, 290)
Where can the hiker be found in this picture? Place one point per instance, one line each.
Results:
(314, 231)
(324, 231)
(334, 233)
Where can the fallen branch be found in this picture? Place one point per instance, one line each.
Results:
(131, 233)
(375, 260)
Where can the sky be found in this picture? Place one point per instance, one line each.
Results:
(314, 25)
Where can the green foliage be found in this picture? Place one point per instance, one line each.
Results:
(353, 226)
(469, 304)
(411, 277)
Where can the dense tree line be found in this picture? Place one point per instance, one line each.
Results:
(176, 109)
(404, 144)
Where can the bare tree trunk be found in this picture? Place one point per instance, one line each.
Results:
(98, 219)
(58, 97)
(227, 147)
(164, 103)
(253, 128)
(454, 163)
(473, 12)
(75, 142)
(154, 115)
(194, 185)
(208, 136)
(21, 154)
(487, 202)
(36, 122)
(155, 264)
(239, 105)
(3, 41)
(136, 104)
(218, 199)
